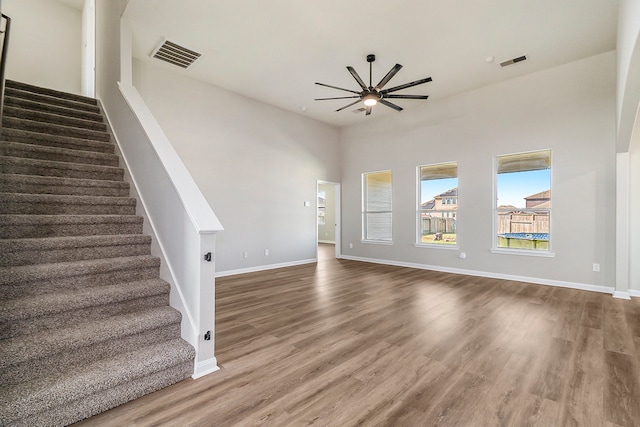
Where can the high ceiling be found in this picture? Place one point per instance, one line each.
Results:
(273, 51)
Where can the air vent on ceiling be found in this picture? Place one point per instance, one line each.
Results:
(175, 54)
(513, 61)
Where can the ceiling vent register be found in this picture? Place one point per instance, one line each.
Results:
(513, 61)
(175, 54)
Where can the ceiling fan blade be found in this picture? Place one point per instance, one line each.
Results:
(368, 111)
(339, 88)
(406, 85)
(389, 76)
(407, 96)
(390, 105)
(347, 106)
(357, 77)
(338, 97)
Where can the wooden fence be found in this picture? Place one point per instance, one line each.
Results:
(523, 222)
(438, 225)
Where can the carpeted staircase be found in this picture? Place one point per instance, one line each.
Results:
(85, 321)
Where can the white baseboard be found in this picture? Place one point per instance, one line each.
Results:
(331, 242)
(622, 295)
(206, 367)
(634, 293)
(264, 267)
(536, 280)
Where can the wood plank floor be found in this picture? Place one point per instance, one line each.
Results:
(345, 343)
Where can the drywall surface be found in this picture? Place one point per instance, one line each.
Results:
(256, 164)
(47, 34)
(634, 209)
(569, 109)
(628, 61)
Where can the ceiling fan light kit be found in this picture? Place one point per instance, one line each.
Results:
(372, 95)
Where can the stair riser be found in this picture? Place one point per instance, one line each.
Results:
(33, 257)
(62, 190)
(52, 154)
(66, 361)
(79, 316)
(108, 398)
(53, 129)
(49, 93)
(40, 287)
(46, 140)
(24, 231)
(43, 117)
(52, 109)
(16, 166)
(64, 209)
(34, 97)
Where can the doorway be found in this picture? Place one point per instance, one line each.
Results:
(328, 217)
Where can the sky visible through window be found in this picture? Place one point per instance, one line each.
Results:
(432, 187)
(513, 187)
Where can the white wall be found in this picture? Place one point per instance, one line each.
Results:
(47, 34)
(256, 165)
(628, 72)
(569, 109)
(634, 210)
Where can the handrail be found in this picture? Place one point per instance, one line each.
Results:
(3, 61)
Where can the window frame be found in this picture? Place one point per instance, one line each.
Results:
(418, 239)
(549, 253)
(365, 212)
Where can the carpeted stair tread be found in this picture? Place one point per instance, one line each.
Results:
(51, 100)
(62, 400)
(61, 249)
(33, 314)
(31, 226)
(49, 204)
(22, 349)
(34, 184)
(26, 87)
(45, 305)
(19, 149)
(44, 139)
(54, 119)
(17, 275)
(28, 104)
(54, 129)
(23, 166)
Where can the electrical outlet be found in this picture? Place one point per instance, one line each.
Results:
(245, 254)
(266, 252)
(350, 245)
(596, 266)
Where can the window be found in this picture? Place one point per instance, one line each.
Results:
(321, 207)
(376, 207)
(437, 204)
(523, 202)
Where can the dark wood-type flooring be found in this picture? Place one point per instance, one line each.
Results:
(345, 343)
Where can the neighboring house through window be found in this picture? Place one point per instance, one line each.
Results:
(377, 207)
(321, 207)
(437, 204)
(523, 202)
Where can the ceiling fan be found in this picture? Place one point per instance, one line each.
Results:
(371, 95)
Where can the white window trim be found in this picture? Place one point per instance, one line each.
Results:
(548, 253)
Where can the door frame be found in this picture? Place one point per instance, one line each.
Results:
(338, 227)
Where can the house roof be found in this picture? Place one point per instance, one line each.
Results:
(541, 195)
(429, 205)
(448, 193)
(275, 51)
